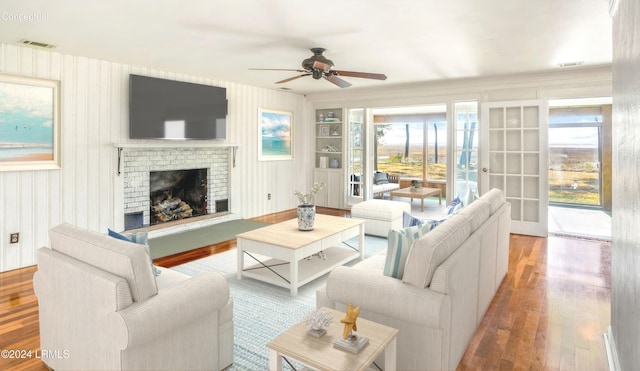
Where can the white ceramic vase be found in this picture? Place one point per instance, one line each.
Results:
(306, 217)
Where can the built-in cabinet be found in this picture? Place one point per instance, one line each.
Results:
(332, 195)
(329, 157)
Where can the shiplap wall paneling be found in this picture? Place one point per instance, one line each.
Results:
(30, 198)
(87, 191)
(11, 196)
(69, 101)
(26, 212)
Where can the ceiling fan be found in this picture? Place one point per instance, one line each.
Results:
(318, 67)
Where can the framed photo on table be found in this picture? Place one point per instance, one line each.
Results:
(29, 123)
(276, 139)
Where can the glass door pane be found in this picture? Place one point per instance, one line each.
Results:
(466, 169)
(436, 131)
(355, 156)
(574, 165)
(399, 148)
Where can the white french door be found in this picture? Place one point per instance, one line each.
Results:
(356, 139)
(514, 158)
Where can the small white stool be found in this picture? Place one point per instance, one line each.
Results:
(380, 215)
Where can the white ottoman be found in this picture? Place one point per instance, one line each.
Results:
(380, 215)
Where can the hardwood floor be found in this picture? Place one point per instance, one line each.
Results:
(549, 313)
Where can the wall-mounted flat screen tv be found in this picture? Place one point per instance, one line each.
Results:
(167, 109)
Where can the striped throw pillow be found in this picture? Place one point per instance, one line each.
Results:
(409, 220)
(400, 242)
(140, 238)
(455, 206)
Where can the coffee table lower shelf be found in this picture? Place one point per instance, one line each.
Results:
(277, 272)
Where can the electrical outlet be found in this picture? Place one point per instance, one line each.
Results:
(14, 237)
(268, 196)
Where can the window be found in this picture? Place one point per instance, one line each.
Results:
(408, 138)
(575, 155)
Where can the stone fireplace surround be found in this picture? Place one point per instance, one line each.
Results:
(137, 163)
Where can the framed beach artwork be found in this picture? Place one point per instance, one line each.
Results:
(29, 123)
(276, 140)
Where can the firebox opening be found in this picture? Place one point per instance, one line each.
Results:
(222, 205)
(133, 220)
(177, 194)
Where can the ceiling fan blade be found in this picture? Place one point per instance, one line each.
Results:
(338, 81)
(321, 66)
(364, 75)
(292, 78)
(276, 69)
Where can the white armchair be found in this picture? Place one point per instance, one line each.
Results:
(101, 308)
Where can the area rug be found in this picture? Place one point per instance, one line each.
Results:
(200, 237)
(262, 311)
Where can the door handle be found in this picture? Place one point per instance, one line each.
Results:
(484, 169)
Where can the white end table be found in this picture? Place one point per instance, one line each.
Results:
(319, 353)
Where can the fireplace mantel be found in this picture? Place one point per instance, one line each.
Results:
(175, 144)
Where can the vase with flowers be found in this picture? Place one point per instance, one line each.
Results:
(307, 207)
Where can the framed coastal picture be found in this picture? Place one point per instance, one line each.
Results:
(29, 123)
(276, 140)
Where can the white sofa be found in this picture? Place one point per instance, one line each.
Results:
(450, 277)
(101, 308)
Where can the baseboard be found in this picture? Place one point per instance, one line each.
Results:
(612, 353)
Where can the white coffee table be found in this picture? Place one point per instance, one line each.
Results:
(319, 353)
(287, 247)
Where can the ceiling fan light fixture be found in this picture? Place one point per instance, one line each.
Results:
(316, 73)
(319, 67)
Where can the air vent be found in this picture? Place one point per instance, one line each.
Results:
(37, 44)
(570, 64)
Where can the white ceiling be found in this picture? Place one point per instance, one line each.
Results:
(408, 40)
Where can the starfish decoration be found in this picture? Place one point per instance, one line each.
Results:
(350, 320)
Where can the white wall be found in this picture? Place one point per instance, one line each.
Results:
(94, 115)
(625, 254)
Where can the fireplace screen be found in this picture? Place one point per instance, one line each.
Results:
(177, 194)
